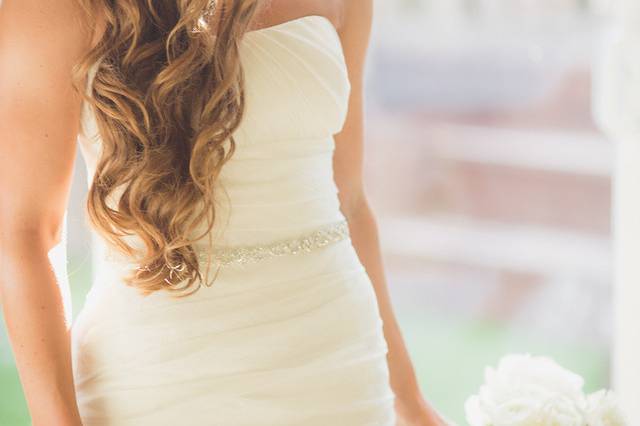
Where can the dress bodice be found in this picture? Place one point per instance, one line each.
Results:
(291, 340)
(279, 181)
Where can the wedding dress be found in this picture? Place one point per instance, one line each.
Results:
(289, 334)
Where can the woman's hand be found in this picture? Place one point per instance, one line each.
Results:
(417, 413)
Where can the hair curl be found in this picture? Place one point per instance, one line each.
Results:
(168, 92)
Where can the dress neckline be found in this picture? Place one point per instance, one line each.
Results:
(284, 24)
(265, 30)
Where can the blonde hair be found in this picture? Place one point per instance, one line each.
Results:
(167, 94)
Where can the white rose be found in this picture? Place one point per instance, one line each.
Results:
(602, 410)
(527, 391)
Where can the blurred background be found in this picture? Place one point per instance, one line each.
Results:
(491, 185)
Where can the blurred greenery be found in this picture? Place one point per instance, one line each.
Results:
(449, 355)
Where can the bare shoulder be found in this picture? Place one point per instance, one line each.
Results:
(37, 37)
(334, 10)
(354, 17)
(58, 21)
(354, 28)
(274, 12)
(40, 42)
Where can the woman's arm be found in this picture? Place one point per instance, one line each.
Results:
(354, 32)
(39, 115)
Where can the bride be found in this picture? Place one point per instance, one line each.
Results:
(240, 281)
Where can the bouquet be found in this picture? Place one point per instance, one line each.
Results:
(535, 391)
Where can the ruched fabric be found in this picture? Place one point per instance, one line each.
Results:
(290, 340)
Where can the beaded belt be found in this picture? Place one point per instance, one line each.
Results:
(321, 237)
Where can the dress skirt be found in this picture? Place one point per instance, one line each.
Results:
(292, 340)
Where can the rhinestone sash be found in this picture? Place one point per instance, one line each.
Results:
(239, 255)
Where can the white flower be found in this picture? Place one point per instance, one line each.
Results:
(527, 391)
(602, 410)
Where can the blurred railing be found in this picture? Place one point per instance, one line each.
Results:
(491, 181)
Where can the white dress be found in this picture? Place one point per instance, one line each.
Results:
(293, 339)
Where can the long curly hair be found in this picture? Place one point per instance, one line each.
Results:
(167, 94)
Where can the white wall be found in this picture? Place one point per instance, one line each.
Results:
(617, 109)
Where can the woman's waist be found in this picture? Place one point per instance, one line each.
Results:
(328, 262)
(248, 247)
(263, 221)
(117, 325)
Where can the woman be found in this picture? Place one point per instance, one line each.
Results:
(241, 280)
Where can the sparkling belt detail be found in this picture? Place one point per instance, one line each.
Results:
(239, 255)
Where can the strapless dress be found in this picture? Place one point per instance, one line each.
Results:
(290, 331)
